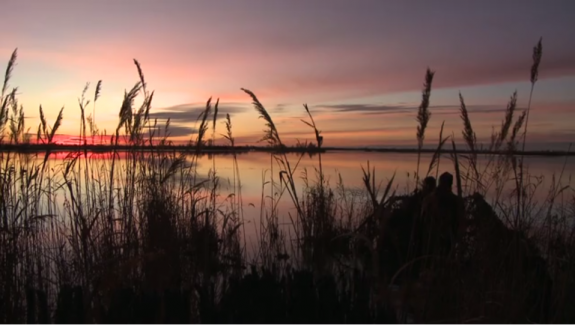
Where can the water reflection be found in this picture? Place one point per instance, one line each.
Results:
(257, 168)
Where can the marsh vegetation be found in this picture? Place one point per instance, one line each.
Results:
(141, 236)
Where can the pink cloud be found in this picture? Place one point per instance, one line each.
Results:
(169, 66)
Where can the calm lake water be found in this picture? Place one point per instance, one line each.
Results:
(256, 168)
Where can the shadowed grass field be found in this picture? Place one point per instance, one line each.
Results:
(147, 238)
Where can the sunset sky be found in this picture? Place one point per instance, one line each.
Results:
(359, 64)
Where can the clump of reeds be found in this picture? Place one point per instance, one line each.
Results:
(286, 173)
(6, 100)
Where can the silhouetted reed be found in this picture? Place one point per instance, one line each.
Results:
(423, 116)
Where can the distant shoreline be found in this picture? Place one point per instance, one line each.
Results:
(245, 149)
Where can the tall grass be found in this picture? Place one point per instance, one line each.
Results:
(423, 117)
(148, 237)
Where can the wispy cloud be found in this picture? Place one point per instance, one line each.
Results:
(175, 131)
(371, 109)
(364, 108)
(189, 113)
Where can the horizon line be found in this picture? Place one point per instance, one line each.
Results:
(23, 148)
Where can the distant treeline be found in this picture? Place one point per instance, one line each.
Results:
(247, 148)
